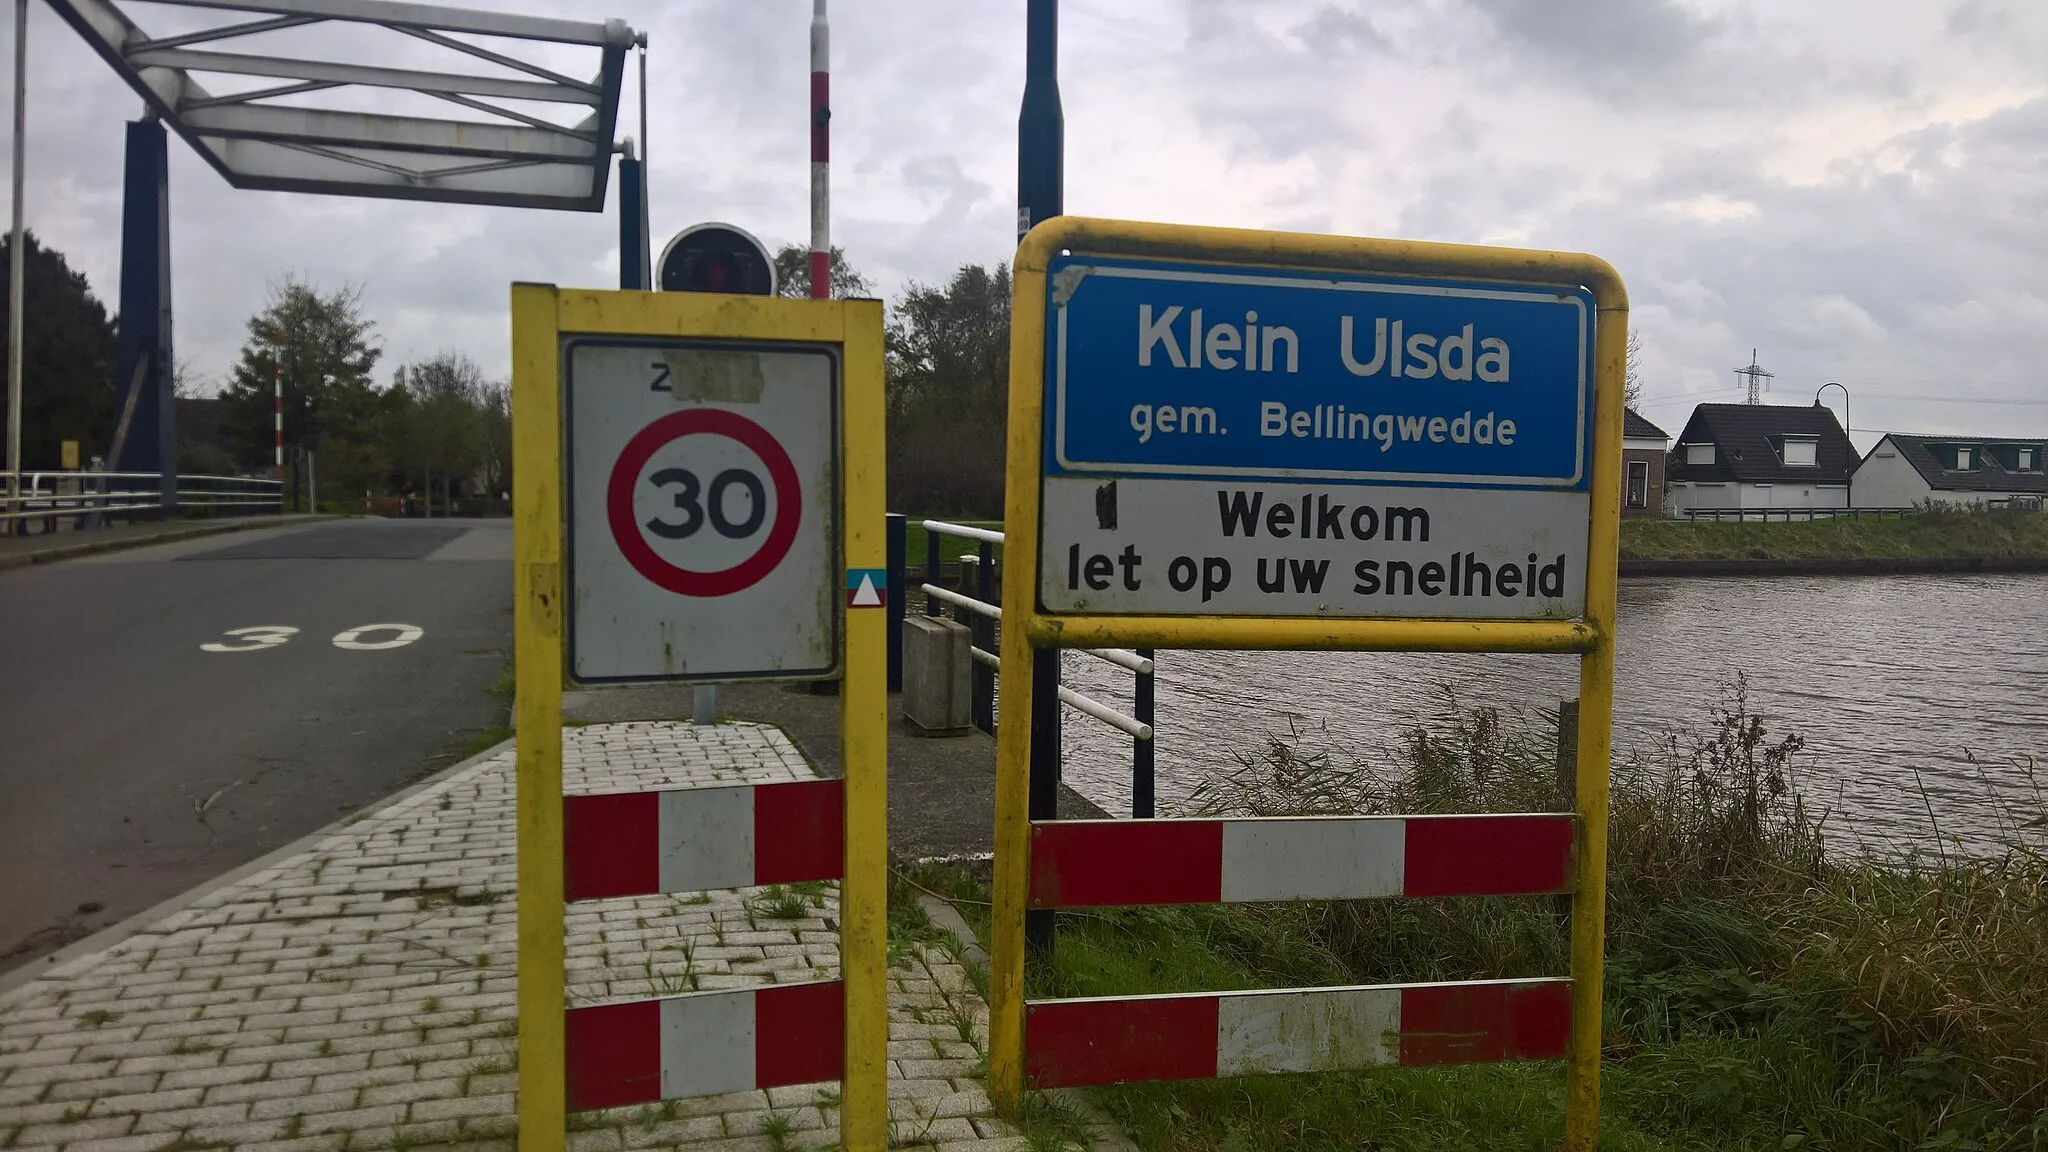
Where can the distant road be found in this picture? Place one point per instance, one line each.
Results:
(145, 746)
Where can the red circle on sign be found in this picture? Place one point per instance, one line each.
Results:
(626, 525)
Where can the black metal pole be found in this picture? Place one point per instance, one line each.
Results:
(984, 693)
(1041, 144)
(931, 570)
(1041, 127)
(895, 533)
(1045, 771)
(1141, 750)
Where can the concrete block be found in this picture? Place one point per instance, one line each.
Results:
(936, 695)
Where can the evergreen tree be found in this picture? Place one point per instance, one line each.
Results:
(67, 370)
(331, 405)
(948, 393)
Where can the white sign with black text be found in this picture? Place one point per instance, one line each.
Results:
(1216, 547)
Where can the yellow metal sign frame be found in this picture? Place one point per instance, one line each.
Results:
(1025, 628)
(542, 316)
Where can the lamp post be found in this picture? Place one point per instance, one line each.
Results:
(1845, 402)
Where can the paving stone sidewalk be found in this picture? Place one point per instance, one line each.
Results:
(360, 995)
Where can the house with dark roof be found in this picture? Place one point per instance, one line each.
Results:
(1995, 471)
(1761, 456)
(1644, 447)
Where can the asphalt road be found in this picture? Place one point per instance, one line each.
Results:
(136, 762)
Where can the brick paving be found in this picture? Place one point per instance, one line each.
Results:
(360, 995)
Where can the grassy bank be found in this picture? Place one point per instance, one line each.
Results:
(1761, 993)
(1929, 535)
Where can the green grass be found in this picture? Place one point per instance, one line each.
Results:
(1933, 534)
(1761, 993)
(484, 739)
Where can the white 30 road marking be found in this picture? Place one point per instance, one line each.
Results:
(407, 633)
(258, 637)
(271, 635)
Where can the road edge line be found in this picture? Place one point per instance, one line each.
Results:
(62, 552)
(113, 934)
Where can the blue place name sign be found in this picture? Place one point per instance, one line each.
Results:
(1188, 370)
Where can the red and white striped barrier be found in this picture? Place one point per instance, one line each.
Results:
(1092, 863)
(692, 839)
(1125, 1040)
(705, 1044)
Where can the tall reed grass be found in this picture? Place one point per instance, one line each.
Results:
(1762, 990)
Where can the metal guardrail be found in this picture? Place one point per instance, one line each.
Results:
(49, 496)
(984, 613)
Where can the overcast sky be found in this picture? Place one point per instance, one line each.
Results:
(1858, 189)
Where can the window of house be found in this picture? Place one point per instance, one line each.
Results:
(1638, 483)
(1800, 451)
(2027, 460)
(1699, 453)
(1963, 460)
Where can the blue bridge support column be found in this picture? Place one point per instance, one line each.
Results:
(145, 434)
(633, 240)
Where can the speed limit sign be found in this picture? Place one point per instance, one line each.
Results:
(702, 506)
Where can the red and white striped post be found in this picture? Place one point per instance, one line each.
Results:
(277, 405)
(821, 137)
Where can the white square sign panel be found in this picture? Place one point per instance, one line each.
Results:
(702, 503)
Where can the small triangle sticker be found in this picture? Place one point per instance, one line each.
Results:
(865, 596)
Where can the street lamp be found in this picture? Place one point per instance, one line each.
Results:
(1845, 402)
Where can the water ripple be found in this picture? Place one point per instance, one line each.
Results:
(1911, 692)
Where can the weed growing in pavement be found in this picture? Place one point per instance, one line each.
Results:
(778, 902)
(98, 1017)
(916, 1130)
(776, 1126)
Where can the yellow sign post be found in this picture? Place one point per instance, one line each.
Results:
(1235, 439)
(551, 328)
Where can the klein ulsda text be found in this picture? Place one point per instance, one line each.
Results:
(1460, 356)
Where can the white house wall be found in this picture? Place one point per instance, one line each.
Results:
(1778, 495)
(1888, 482)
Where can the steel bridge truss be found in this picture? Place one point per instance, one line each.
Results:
(270, 136)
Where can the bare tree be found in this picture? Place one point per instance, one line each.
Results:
(1632, 389)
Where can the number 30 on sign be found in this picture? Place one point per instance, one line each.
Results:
(702, 509)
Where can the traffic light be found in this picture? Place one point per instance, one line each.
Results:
(716, 258)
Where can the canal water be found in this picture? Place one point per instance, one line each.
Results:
(1923, 700)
